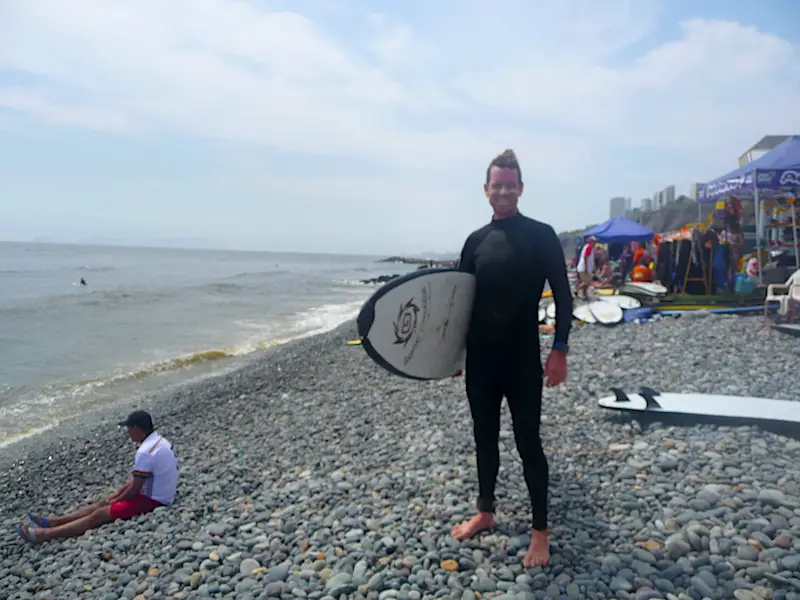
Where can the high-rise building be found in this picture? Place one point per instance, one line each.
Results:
(669, 194)
(617, 206)
(764, 145)
(694, 191)
(647, 204)
(661, 197)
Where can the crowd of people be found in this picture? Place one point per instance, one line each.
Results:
(593, 263)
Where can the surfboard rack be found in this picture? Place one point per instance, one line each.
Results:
(649, 395)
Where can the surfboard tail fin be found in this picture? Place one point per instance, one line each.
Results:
(649, 395)
(620, 395)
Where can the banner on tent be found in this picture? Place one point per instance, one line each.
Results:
(769, 181)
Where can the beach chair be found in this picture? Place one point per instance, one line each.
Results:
(793, 303)
(781, 292)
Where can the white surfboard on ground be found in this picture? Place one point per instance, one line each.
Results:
(644, 288)
(605, 313)
(707, 405)
(791, 329)
(416, 325)
(582, 313)
(624, 302)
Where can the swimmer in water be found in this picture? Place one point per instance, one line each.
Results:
(83, 281)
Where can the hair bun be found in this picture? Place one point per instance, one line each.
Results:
(509, 153)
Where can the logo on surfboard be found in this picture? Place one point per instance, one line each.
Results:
(406, 323)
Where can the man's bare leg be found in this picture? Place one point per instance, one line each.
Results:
(75, 528)
(480, 522)
(538, 551)
(74, 516)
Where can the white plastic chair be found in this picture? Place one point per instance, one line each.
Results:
(792, 302)
(781, 292)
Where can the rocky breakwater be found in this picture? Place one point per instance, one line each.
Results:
(379, 280)
(410, 260)
(315, 474)
(423, 263)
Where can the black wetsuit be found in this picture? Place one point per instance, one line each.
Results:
(511, 259)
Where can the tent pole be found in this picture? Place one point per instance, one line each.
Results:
(757, 209)
(794, 235)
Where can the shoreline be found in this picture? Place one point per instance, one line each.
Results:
(68, 400)
(312, 473)
(157, 401)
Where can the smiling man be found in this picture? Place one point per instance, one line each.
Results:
(512, 257)
(153, 484)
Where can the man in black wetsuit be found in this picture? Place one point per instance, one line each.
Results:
(511, 257)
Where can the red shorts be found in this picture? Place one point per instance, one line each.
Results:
(138, 505)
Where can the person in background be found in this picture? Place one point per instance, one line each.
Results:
(153, 484)
(603, 266)
(585, 268)
(625, 262)
(736, 245)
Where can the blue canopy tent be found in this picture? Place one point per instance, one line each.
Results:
(776, 174)
(619, 230)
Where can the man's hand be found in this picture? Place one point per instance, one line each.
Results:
(555, 369)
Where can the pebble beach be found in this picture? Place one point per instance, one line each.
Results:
(312, 473)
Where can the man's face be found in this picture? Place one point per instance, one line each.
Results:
(135, 434)
(503, 191)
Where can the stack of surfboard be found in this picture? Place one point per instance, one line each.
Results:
(606, 310)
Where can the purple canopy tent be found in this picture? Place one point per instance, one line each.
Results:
(619, 230)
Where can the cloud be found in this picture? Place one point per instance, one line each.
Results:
(568, 86)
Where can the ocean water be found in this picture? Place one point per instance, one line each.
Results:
(149, 318)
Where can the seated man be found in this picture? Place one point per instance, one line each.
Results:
(155, 478)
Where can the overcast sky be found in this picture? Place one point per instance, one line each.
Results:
(366, 127)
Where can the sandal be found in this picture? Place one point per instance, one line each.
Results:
(26, 534)
(39, 520)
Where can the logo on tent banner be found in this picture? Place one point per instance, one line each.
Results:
(790, 178)
(765, 177)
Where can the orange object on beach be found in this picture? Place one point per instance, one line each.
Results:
(642, 274)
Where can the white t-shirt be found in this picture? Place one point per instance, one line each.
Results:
(156, 461)
(586, 261)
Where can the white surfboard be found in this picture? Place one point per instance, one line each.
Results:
(624, 302)
(606, 313)
(644, 288)
(600, 311)
(582, 313)
(551, 311)
(791, 329)
(416, 325)
(709, 405)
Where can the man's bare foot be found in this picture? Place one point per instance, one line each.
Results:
(478, 523)
(539, 551)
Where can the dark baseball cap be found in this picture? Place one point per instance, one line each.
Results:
(140, 419)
